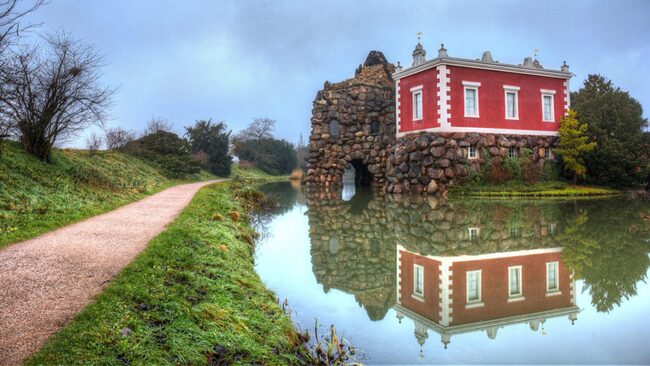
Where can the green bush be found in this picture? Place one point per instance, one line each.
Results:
(166, 150)
(275, 157)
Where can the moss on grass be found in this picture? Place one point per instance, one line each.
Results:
(541, 189)
(36, 197)
(192, 297)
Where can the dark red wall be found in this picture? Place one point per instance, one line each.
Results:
(428, 80)
(430, 307)
(492, 99)
(494, 288)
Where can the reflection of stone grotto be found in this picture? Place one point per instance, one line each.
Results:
(353, 243)
(350, 254)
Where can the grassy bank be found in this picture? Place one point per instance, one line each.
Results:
(541, 189)
(254, 174)
(36, 197)
(192, 297)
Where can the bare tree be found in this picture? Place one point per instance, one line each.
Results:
(117, 137)
(94, 142)
(10, 13)
(53, 91)
(260, 128)
(157, 124)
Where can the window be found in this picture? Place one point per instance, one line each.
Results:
(417, 102)
(334, 128)
(471, 98)
(514, 232)
(512, 102)
(552, 283)
(473, 286)
(374, 127)
(418, 280)
(548, 113)
(514, 281)
(547, 153)
(512, 152)
(472, 153)
(473, 233)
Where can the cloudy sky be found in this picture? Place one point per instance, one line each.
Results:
(235, 60)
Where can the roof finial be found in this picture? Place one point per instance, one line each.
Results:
(442, 52)
(535, 52)
(419, 36)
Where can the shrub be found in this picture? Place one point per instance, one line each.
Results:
(168, 151)
(497, 173)
(275, 157)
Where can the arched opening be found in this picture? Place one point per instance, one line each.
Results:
(362, 176)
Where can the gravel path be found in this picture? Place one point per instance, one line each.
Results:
(46, 281)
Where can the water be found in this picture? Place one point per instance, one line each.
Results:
(420, 281)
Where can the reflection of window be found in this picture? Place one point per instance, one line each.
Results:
(334, 128)
(472, 153)
(418, 280)
(552, 283)
(473, 233)
(514, 281)
(473, 286)
(374, 127)
(512, 152)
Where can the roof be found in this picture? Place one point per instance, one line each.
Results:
(478, 64)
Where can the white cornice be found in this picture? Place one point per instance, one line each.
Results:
(453, 61)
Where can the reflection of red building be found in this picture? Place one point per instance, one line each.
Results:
(461, 294)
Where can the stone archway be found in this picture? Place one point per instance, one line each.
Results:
(362, 176)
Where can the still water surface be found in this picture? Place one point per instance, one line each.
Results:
(418, 281)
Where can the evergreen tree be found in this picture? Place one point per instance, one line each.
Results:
(616, 122)
(574, 144)
(211, 140)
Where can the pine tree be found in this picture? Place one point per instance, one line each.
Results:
(574, 145)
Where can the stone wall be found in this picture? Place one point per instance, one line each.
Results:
(428, 163)
(364, 110)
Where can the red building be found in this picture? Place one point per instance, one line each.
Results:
(453, 295)
(449, 94)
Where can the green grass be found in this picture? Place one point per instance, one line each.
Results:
(254, 174)
(193, 289)
(36, 197)
(541, 189)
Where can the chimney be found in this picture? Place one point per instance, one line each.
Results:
(442, 52)
(528, 62)
(487, 57)
(564, 67)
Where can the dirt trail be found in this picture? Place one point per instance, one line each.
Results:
(46, 281)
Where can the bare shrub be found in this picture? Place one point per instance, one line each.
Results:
(117, 138)
(94, 143)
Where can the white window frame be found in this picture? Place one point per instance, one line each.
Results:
(548, 154)
(516, 154)
(471, 85)
(474, 302)
(551, 94)
(469, 152)
(417, 90)
(510, 89)
(418, 294)
(520, 295)
(473, 231)
(514, 232)
(556, 290)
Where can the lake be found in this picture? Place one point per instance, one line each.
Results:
(415, 280)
